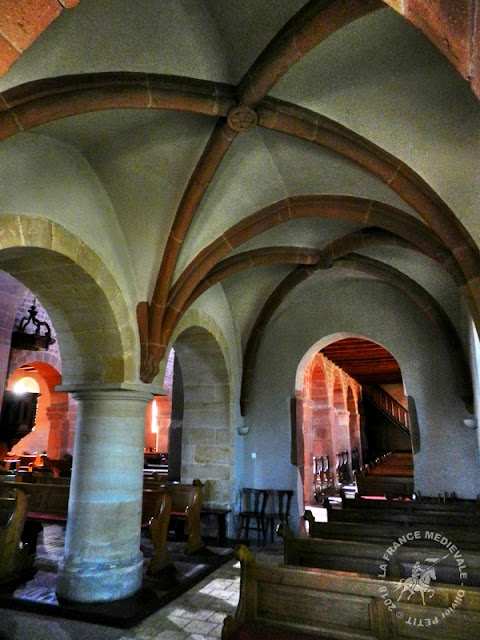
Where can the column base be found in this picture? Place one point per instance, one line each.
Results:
(91, 582)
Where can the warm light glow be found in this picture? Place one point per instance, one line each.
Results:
(154, 416)
(26, 384)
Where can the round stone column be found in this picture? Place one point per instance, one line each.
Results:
(103, 561)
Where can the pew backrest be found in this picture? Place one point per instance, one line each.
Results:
(464, 537)
(405, 517)
(45, 498)
(185, 497)
(315, 602)
(369, 558)
(461, 507)
(369, 485)
(13, 514)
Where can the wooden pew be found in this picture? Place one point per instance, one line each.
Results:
(290, 603)
(390, 475)
(384, 485)
(48, 504)
(7, 476)
(186, 505)
(155, 480)
(206, 512)
(407, 518)
(182, 502)
(15, 560)
(463, 508)
(369, 558)
(425, 503)
(157, 531)
(45, 499)
(466, 538)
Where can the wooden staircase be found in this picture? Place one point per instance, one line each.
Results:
(384, 402)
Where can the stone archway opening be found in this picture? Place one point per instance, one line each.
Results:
(206, 438)
(35, 371)
(334, 418)
(90, 335)
(159, 414)
(54, 429)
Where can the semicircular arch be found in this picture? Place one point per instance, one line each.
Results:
(208, 435)
(84, 302)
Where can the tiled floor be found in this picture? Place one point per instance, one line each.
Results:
(199, 613)
(196, 615)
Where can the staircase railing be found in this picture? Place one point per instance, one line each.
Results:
(389, 406)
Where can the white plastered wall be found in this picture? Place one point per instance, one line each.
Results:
(448, 455)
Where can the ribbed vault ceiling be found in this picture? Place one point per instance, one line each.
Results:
(251, 145)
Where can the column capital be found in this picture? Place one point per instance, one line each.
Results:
(88, 389)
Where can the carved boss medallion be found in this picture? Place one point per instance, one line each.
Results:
(241, 118)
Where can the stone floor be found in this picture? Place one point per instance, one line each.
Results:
(198, 614)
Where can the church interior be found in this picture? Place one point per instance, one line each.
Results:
(239, 261)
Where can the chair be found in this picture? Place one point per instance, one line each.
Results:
(255, 502)
(280, 504)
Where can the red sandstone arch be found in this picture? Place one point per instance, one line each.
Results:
(316, 434)
(288, 119)
(307, 125)
(305, 30)
(55, 414)
(450, 28)
(324, 404)
(30, 19)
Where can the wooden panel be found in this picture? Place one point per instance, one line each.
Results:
(277, 603)
(366, 557)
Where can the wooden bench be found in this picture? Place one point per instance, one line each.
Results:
(154, 480)
(180, 502)
(465, 537)
(369, 558)
(157, 530)
(406, 517)
(426, 504)
(293, 603)
(15, 560)
(48, 504)
(186, 505)
(390, 475)
(47, 499)
(368, 484)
